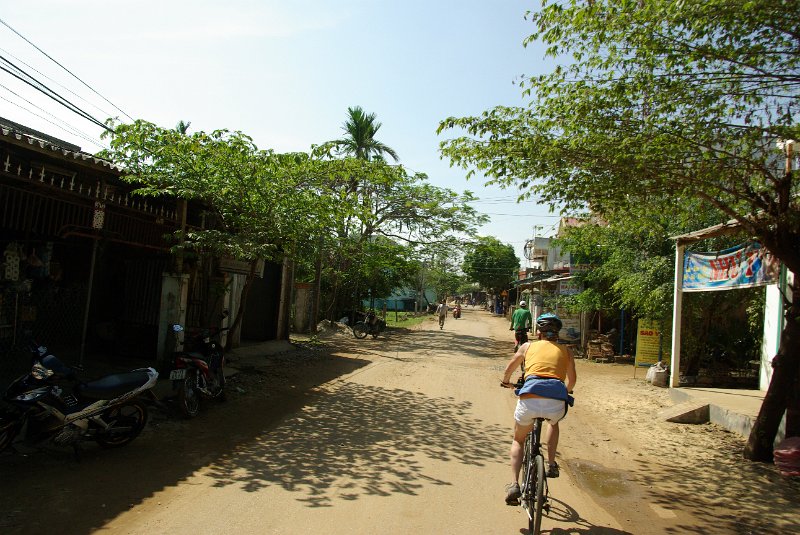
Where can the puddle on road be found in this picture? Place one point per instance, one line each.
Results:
(600, 480)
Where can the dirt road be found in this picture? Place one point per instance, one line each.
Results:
(408, 433)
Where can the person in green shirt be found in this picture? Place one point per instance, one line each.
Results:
(521, 322)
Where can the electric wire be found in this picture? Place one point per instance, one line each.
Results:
(60, 65)
(62, 86)
(66, 127)
(520, 214)
(49, 121)
(39, 86)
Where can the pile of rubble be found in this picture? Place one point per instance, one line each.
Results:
(326, 328)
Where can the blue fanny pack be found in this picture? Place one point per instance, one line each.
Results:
(546, 387)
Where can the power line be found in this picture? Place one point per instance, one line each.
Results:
(505, 201)
(63, 126)
(60, 65)
(62, 86)
(520, 214)
(39, 86)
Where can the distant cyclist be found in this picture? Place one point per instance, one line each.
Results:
(547, 365)
(521, 322)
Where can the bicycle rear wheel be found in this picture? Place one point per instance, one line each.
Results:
(527, 471)
(528, 498)
(537, 497)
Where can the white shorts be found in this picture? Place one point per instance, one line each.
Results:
(528, 409)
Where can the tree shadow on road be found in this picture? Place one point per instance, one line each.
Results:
(726, 494)
(47, 488)
(345, 441)
(356, 441)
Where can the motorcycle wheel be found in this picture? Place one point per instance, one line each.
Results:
(125, 422)
(360, 330)
(188, 395)
(216, 384)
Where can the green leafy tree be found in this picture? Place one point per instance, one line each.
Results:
(378, 201)
(632, 257)
(444, 268)
(257, 202)
(389, 203)
(663, 99)
(491, 263)
(631, 266)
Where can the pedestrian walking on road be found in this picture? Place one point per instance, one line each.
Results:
(441, 310)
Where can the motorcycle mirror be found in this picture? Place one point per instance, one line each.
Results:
(177, 328)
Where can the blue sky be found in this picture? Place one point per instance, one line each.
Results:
(284, 72)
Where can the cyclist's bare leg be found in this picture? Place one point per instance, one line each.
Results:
(518, 448)
(552, 442)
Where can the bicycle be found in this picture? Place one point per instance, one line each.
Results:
(521, 337)
(534, 489)
(371, 324)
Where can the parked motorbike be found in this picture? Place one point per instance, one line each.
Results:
(199, 369)
(372, 324)
(51, 403)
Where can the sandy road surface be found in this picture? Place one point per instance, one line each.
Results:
(414, 442)
(407, 433)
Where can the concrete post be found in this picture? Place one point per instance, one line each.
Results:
(174, 299)
(302, 303)
(677, 305)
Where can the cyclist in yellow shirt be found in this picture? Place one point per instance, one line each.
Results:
(547, 366)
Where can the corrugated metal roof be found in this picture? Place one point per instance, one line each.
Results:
(722, 229)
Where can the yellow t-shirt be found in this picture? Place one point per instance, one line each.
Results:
(546, 359)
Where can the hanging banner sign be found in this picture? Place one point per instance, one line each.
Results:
(569, 287)
(651, 346)
(743, 266)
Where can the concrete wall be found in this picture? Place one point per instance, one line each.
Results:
(773, 325)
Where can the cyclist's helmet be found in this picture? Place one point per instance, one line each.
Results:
(549, 324)
(523, 304)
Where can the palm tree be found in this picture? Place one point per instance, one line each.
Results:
(360, 140)
(182, 127)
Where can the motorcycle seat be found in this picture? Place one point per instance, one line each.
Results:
(112, 386)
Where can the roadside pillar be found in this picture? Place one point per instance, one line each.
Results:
(677, 304)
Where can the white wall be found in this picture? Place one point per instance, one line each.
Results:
(773, 324)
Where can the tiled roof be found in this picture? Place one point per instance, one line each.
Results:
(20, 133)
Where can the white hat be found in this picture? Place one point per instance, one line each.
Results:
(522, 303)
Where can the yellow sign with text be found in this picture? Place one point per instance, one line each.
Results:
(650, 343)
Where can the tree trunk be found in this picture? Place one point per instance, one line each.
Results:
(315, 304)
(782, 392)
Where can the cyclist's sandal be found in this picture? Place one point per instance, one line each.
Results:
(552, 470)
(512, 494)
